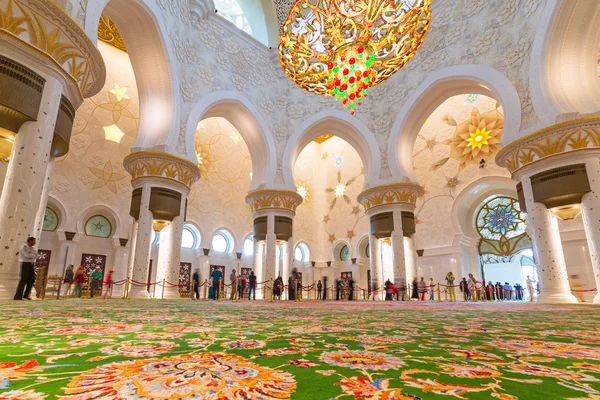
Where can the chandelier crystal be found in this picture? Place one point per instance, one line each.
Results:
(341, 48)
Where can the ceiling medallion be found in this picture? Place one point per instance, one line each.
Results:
(341, 48)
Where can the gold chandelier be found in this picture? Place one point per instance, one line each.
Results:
(341, 48)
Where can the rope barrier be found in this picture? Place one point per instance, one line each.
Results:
(585, 290)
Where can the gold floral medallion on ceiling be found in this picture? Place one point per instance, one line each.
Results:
(161, 165)
(273, 199)
(395, 193)
(576, 135)
(108, 33)
(43, 28)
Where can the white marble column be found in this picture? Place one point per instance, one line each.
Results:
(411, 258)
(23, 188)
(169, 255)
(142, 247)
(398, 248)
(548, 250)
(66, 253)
(376, 272)
(271, 249)
(287, 259)
(257, 265)
(204, 266)
(120, 266)
(590, 212)
(469, 257)
(41, 212)
(132, 245)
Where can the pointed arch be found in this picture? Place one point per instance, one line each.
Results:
(563, 78)
(246, 119)
(447, 82)
(144, 33)
(342, 125)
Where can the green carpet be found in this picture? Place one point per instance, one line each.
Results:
(153, 349)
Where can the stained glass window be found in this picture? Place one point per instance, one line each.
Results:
(345, 253)
(98, 226)
(50, 220)
(501, 225)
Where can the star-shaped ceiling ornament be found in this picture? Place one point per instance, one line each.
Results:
(120, 92)
(106, 177)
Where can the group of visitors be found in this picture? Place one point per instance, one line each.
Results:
(239, 282)
(75, 281)
(474, 290)
(398, 290)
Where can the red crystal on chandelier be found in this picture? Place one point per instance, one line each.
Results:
(351, 75)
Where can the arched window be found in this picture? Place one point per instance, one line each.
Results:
(222, 242)
(248, 246)
(232, 12)
(501, 225)
(155, 237)
(51, 220)
(345, 253)
(98, 226)
(301, 253)
(190, 237)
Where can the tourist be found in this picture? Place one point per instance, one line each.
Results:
(490, 291)
(241, 286)
(69, 277)
(415, 289)
(431, 289)
(217, 275)
(319, 290)
(507, 289)
(518, 291)
(450, 285)
(196, 283)
(530, 288)
(338, 288)
(401, 289)
(464, 288)
(422, 288)
(108, 282)
(291, 289)
(27, 257)
(96, 280)
(80, 279)
(252, 286)
(211, 289)
(232, 282)
(324, 288)
(388, 290)
(277, 288)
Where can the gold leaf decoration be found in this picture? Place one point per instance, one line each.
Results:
(108, 33)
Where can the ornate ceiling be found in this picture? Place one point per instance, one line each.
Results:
(108, 32)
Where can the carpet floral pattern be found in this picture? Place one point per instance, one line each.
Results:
(80, 350)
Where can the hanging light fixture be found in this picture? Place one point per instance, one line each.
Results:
(341, 48)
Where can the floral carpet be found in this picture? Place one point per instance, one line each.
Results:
(115, 349)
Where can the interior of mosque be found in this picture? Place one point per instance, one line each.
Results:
(301, 140)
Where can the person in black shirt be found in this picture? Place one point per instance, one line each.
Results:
(196, 283)
(252, 286)
(319, 290)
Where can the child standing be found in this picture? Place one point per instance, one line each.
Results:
(108, 281)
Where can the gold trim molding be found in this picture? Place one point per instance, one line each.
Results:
(108, 33)
(575, 135)
(393, 193)
(153, 164)
(45, 28)
(273, 199)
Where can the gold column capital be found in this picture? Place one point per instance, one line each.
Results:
(393, 193)
(45, 30)
(154, 164)
(575, 135)
(273, 199)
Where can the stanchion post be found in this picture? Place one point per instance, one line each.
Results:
(438, 293)
(315, 288)
(111, 289)
(162, 295)
(271, 296)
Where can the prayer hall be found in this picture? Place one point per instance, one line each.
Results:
(299, 199)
